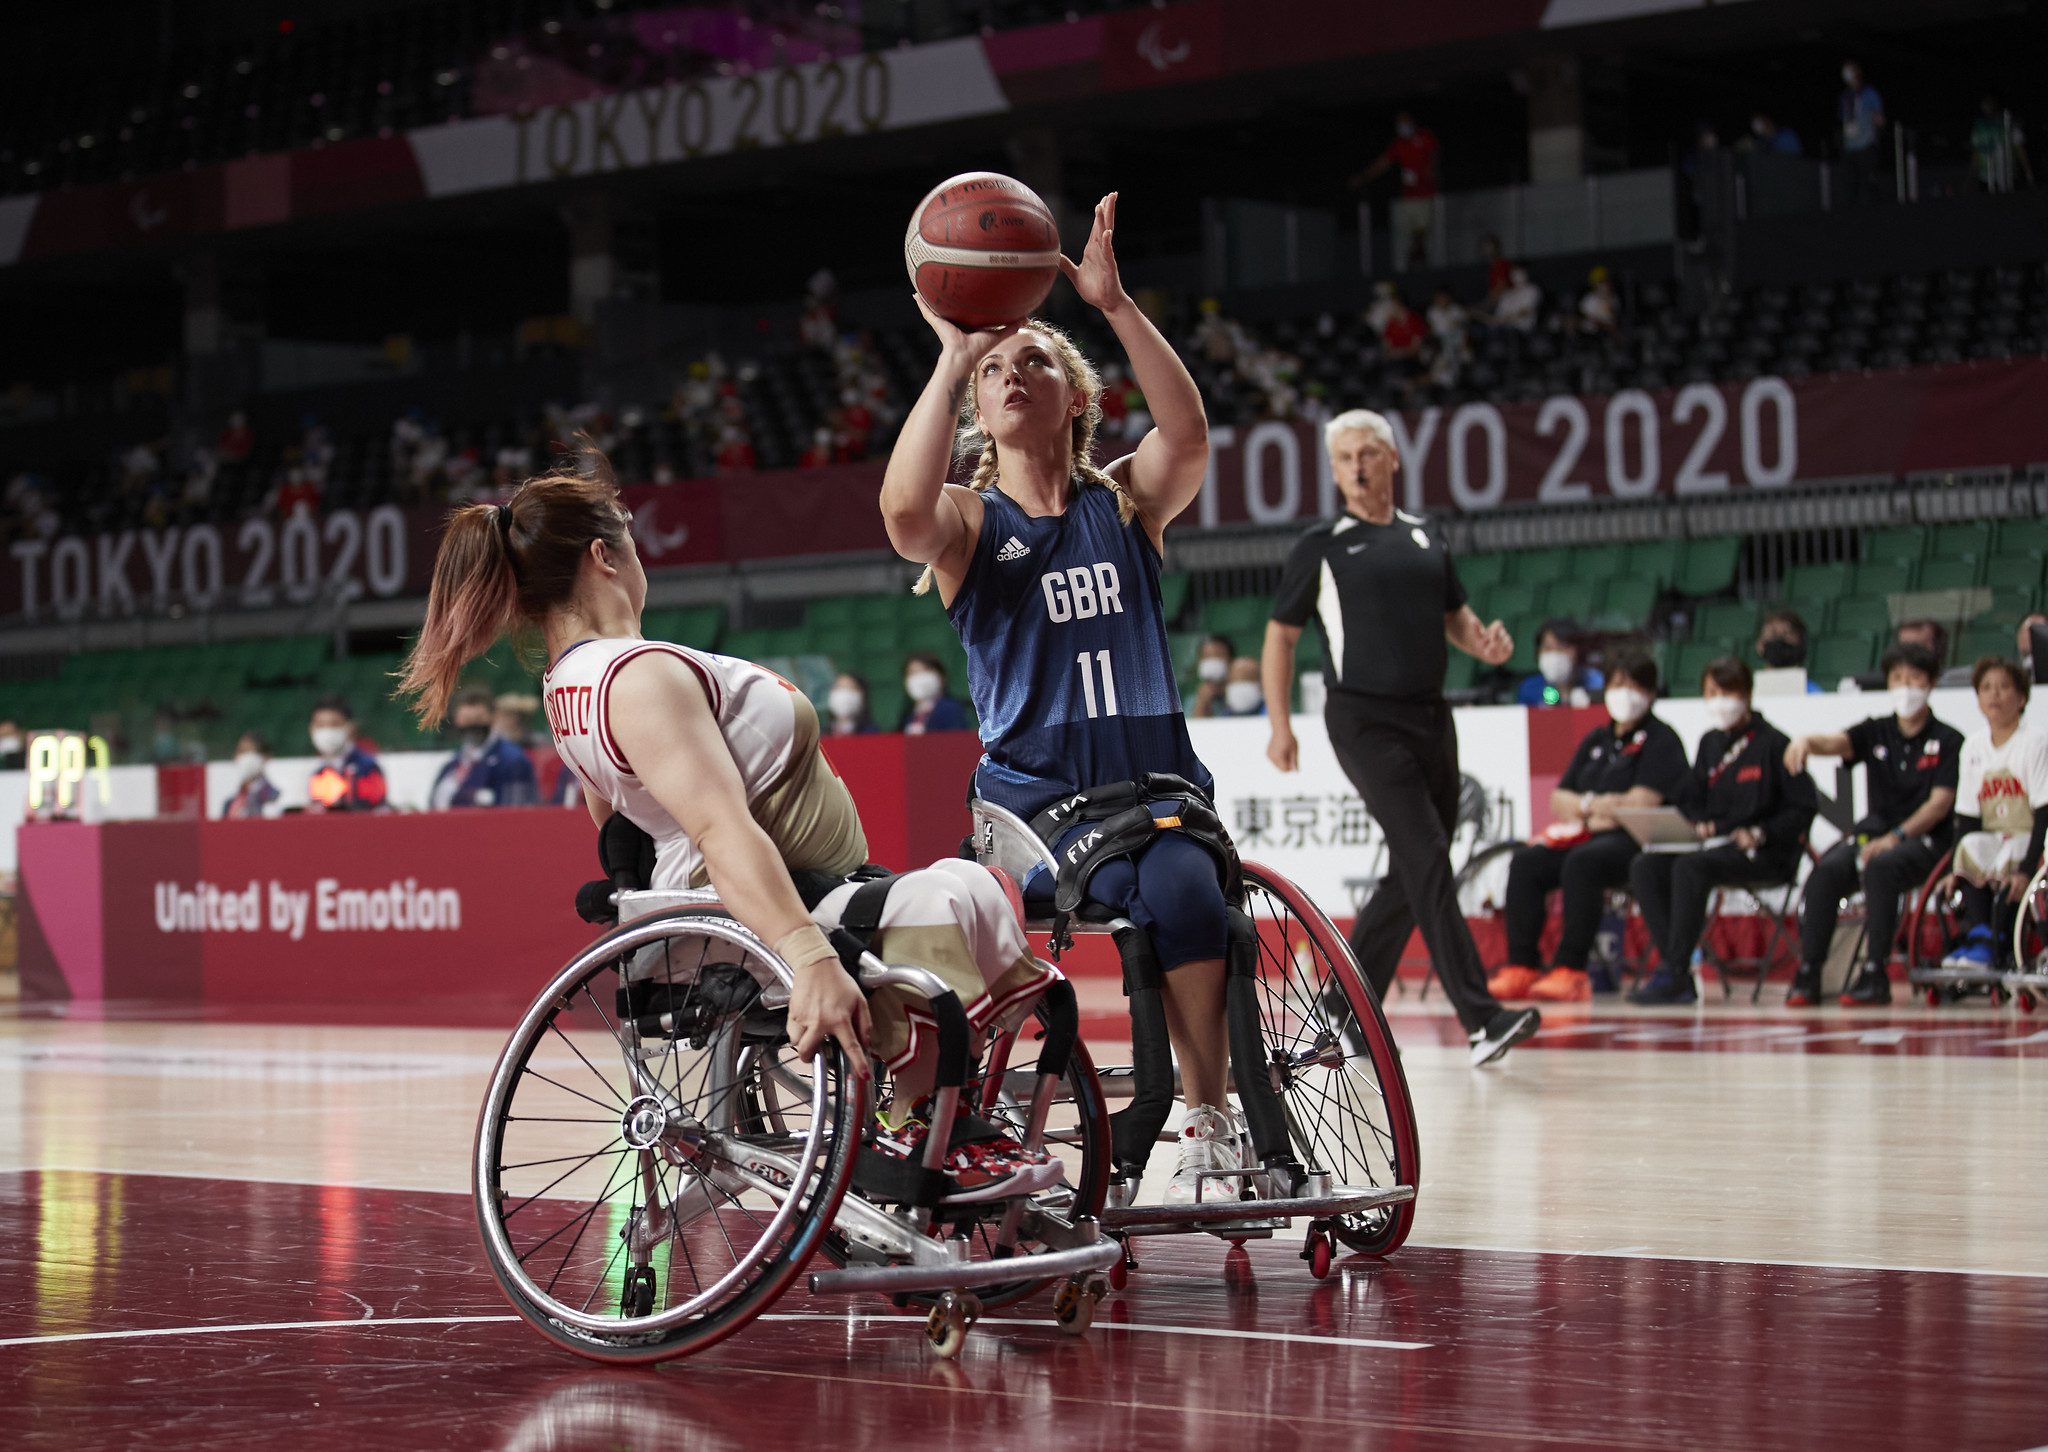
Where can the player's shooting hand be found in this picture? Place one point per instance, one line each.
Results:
(960, 349)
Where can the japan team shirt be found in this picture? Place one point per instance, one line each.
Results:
(2004, 785)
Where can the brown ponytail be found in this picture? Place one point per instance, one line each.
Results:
(501, 566)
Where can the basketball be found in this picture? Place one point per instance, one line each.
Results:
(982, 249)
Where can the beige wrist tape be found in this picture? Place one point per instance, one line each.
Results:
(803, 946)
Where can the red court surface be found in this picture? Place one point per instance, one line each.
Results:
(157, 1311)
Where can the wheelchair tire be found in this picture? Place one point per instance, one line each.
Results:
(1332, 1058)
(1933, 918)
(641, 1117)
(1481, 889)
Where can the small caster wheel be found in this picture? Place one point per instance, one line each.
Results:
(1318, 1254)
(1119, 1276)
(1073, 1305)
(636, 1296)
(946, 1328)
(1933, 997)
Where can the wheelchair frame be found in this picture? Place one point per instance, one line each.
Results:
(1267, 1195)
(2025, 982)
(901, 1253)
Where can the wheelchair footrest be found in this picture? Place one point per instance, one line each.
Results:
(1958, 977)
(1342, 1200)
(1099, 1255)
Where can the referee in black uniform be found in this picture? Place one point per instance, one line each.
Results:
(1383, 589)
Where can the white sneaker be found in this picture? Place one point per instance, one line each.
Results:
(1208, 1141)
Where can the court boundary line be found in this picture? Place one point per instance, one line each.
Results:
(1626, 1253)
(851, 1318)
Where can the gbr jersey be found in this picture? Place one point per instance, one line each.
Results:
(756, 712)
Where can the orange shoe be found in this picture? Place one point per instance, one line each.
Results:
(1563, 985)
(1512, 982)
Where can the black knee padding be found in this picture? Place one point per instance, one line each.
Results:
(1242, 953)
(1140, 959)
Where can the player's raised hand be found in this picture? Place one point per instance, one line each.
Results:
(957, 346)
(1095, 276)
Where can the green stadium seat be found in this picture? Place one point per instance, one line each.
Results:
(1884, 577)
(1573, 598)
(1510, 601)
(1978, 641)
(1724, 620)
(1173, 594)
(1708, 565)
(699, 625)
(1839, 655)
(1951, 572)
(2023, 537)
(1462, 672)
(1658, 559)
(1626, 602)
(1970, 537)
(2008, 603)
(1809, 588)
(1480, 570)
(1861, 615)
(2013, 569)
(1538, 567)
(1899, 544)
(1689, 660)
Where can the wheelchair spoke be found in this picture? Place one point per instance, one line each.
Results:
(557, 1179)
(555, 1029)
(566, 1089)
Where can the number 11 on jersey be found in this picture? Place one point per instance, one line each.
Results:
(1088, 664)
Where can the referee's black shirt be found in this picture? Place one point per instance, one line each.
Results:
(1380, 592)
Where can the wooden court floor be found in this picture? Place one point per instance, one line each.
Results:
(1725, 1227)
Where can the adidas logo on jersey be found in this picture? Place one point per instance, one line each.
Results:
(1013, 549)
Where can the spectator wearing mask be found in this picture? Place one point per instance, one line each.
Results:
(1600, 308)
(487, 770)
(1561, 678)
(1773, 139)
(1749, 809)
(13, 747)
(931, 709)
(1242, 694)
(1386, 305)
(1910, 763)
(1413, 151)
(1781, 643)
(1521, 306)
(255, 794)
(346, 778)
(1631, 760)
(1863, 121)
(2001, 815)
(846, 707)
(1998, 148)
(1212, 673)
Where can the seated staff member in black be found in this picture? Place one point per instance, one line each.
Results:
(1634, 760)
(1382, 588)
(1739, 789)
(1911, 762)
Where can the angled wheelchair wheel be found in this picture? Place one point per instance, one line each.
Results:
(1332, 1058)
(653, 1167)
(1482, 889)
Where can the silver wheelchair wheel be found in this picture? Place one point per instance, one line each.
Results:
(653, 1167)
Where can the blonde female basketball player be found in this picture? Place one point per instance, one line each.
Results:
(717, 760)
(1049, 569)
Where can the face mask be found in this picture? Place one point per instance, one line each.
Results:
(329, 740)
(1625, 705)
(9, 745)
(475, 735)
(1243, 697)
(1778, 652)
(1848, 76)
(1725, 711)
(1909, 700)
(1556, 666)
(845, 702)
(249, 765)
(1212, 669)
(922, 686)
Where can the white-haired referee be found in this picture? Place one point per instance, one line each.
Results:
(1381, 585)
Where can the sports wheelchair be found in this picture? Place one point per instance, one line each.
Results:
(654, 1167)
(1936, 929)
(1322, 1103)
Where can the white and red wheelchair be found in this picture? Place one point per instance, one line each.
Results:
(654, 1168)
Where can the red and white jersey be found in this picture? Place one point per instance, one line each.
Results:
(756, 713)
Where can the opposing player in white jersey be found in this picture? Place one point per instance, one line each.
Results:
(717, 760)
